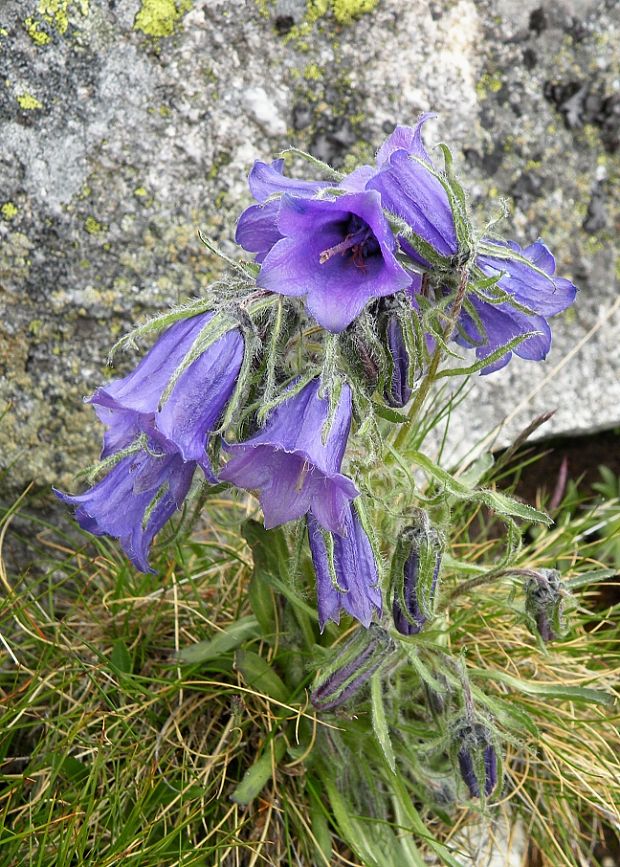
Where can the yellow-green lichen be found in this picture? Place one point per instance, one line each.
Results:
(52, 13)
(490, 82)
(29, 102)
(33, 29)
(346, 10)
(9, 211)
(93, 226)
(312, 72)
(3, 32)
(160, 18)
(141, 192)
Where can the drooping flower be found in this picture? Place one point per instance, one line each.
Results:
(137, 497)
(415, 574)
(409, 188)
(527, 276)
(133, 404)
(146, 486)
(291, 466)
(364, 654)
(338, 253)
(346, 577)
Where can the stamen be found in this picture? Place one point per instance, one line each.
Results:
(342, 247)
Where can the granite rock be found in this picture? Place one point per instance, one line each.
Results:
(129, 124)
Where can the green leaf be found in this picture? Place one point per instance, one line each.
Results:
(587, 578)
(263, 605)
(229, 639)
(258, 775)
(271, 562)
(495, 500)
(388, 413)
(258, 674)
(379, 722)
(120, 657)
(547, 690)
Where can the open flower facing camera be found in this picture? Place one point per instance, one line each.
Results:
(301, 389)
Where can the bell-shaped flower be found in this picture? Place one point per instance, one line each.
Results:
(147, 485)
(136, 498)
(133, 404)
(415, 575)
(294, 465)
(338, 253)
(409, 188)
(347, 578)
(527, 276)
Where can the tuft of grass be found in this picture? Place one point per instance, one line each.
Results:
(164, 719)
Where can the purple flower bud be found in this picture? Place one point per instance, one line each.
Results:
(291, 466)
(354, 665)
(544, 604)
(397, 391)
(346, 574)
(415, 574)
(477, 757)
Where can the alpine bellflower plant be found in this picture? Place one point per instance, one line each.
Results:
(302, 383)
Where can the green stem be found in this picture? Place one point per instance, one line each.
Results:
(487, 578)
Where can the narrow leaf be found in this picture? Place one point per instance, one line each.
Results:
(229, 639)
(379, 722)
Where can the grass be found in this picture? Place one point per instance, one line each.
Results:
(118, 745)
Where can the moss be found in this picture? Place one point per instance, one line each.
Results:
(29, 102)
(159, 18)
(9, 211)
(93, 227)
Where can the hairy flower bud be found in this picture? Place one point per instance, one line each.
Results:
(476, 756)
(397, 390)
(415, 576)
(354, 665)
(544, 603)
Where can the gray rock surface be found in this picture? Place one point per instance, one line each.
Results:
(127, 125)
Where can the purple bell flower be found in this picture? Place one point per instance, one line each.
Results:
(144, 489)
(532, 285)
(338, 253)
(410, 190)
(291, 467)
(354, 586)
(134, 501)
(131, 405)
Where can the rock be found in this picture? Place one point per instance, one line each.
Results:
(126, 126)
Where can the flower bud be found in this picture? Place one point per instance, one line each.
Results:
(415, 575)
(397, 391)
(544, 604)
(354, 665)
(477, 757)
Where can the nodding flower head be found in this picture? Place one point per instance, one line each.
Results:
(292, 466)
